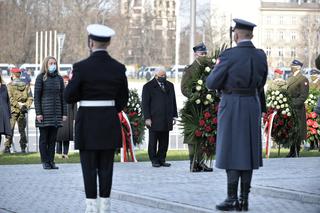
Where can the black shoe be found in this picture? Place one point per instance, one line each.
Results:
(156, 164)
(46, 166)
(23, 151)
(53, 165)
(205, 168)
(165, 164)
(229, 205)
(243, 204)
(6, 150)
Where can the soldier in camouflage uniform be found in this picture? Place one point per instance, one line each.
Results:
(298, 89)
(195, 155)
(20, 99)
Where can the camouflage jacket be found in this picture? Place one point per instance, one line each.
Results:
(20, 96)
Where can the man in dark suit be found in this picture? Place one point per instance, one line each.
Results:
(100, 86)
(160, 112)
(240, 74)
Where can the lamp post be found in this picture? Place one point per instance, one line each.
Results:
(60, 38)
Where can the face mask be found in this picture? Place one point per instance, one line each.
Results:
(52, 68)
(162, 79)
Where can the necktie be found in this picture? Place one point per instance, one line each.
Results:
(162, 87)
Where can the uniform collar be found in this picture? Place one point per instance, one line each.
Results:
(245, 43)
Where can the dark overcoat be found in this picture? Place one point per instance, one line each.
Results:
(48, 100)
(99, 77)
(159, 106)
(298, 90)
(65, 133)
(5, 111)
(239, 144)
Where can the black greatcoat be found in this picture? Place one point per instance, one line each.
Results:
(159, 106)
(99, 77)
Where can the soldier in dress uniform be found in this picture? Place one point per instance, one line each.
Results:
(20, 99)
(195, 156)
(99, 84)
(298, 90)
(240, 74)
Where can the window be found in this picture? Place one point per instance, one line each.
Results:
(281, 35)
(268, 51)
(294, 20)
(281, 20)
(293, 52)
(280, 52)
(268, 35)
(268, 19)
(137, 3)
(293, 36)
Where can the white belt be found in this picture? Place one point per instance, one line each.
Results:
(100, 103)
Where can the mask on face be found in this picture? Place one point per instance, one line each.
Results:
(162, 79)
(52, 68)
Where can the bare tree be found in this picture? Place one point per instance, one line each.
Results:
(310, 31)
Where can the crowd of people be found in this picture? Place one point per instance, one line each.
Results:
(99, 85)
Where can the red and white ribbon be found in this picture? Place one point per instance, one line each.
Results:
(124, 150)
(267, 131)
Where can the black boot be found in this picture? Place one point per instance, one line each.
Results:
(231, 203)
(6, 150)
(205, 168)
(53, 165)
(244, 195)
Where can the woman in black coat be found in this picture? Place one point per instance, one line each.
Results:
(5, 112)
(65, 133)
(51, 110)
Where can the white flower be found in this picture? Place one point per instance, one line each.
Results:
(273, 93)
(269, 98)
(277, 98)
(277, 107)
(209, 96)
(277, 92)
(200, 82)
(280, 101)
(137, 106)
(273, 98)
(207, 69)
(287, 110)
(289, 114)
(313, 102)
(268, 105)
(198, 88)
(214, 60)
(283, 112)
(198, 101)
(282, 106)
(205, 102)
(280, 96)
(286, 105)
(284, 99)
(275, 103)
(311, 96)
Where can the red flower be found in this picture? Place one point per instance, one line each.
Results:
(211, 139)
(313, 115)
(313, 131)
(309, 122)
(208, 128)
(202, 122)
(135, 124)
(215, 120)
(131, 114)
(315, 125)
(281, 122)
(285, 116)
(198, 133)
(207, 115)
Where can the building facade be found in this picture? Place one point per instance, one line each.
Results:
(151, 26)
(290, 30)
